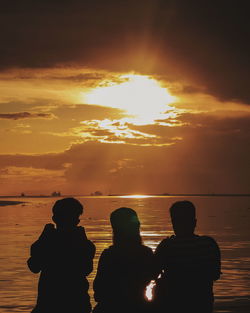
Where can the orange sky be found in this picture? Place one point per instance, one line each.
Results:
(51, 139)
(132, 107)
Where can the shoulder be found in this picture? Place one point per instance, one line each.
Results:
(90, 244)
(107, 255)
(166, 242)
(146, 250)
(209, 244)
(209, 240)
(164, 245)
(108, 252)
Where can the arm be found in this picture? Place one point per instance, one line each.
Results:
(216, 260)
(101, 279)
(38, 250)
(150, 267)
(88, 264)
(159, 258)
(84, 252)
(213, 257)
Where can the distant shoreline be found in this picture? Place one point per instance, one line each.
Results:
(5, 203)
(133, 195)
(186, 195)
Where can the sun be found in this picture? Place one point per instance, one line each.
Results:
(139, 96)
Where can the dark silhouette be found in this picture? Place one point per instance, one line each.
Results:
(64, 256)
(188, 264)
(124, 269)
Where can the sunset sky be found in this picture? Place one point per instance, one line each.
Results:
(124, 96)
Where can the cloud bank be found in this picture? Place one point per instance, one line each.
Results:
(202, 42)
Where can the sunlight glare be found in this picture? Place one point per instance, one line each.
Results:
(139, 96)
(136, 196)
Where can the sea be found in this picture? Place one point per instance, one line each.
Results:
(225, 218)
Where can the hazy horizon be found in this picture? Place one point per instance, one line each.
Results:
(129, 195)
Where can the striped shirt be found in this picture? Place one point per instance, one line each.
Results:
(188, 267)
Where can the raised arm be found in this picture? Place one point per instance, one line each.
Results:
(89, 256)
(38, 250)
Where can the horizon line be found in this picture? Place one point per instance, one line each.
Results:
(130, 195)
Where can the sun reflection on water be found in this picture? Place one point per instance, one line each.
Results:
(136, 196)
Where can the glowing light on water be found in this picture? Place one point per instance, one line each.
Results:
(136, 196)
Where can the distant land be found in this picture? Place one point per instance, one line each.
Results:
(129, 194)
(12, 202)
(5, 203)
(189, 195)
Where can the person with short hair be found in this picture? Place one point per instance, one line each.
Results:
(124, 269)
(188, 265)
(64, 257)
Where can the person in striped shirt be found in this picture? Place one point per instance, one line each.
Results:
(188, 264)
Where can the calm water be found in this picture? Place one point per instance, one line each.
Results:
(224, 218)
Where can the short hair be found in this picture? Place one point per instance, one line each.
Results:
(67, 207)
(182, 209)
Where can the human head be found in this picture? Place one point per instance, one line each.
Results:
(126, 226)
(183, 218)
(66, 213)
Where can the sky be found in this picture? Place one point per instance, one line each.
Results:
(127, 96)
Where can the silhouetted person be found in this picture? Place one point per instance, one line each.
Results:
(124, 269)
(64, 256)
(188, 264)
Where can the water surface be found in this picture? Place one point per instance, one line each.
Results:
(224, 218)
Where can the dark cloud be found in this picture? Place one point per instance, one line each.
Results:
(218, 123)
(201, 41)
(24, 115)
(81, 77)
(14, 106)
(32, 75)
(213, 124)
(187, 89)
